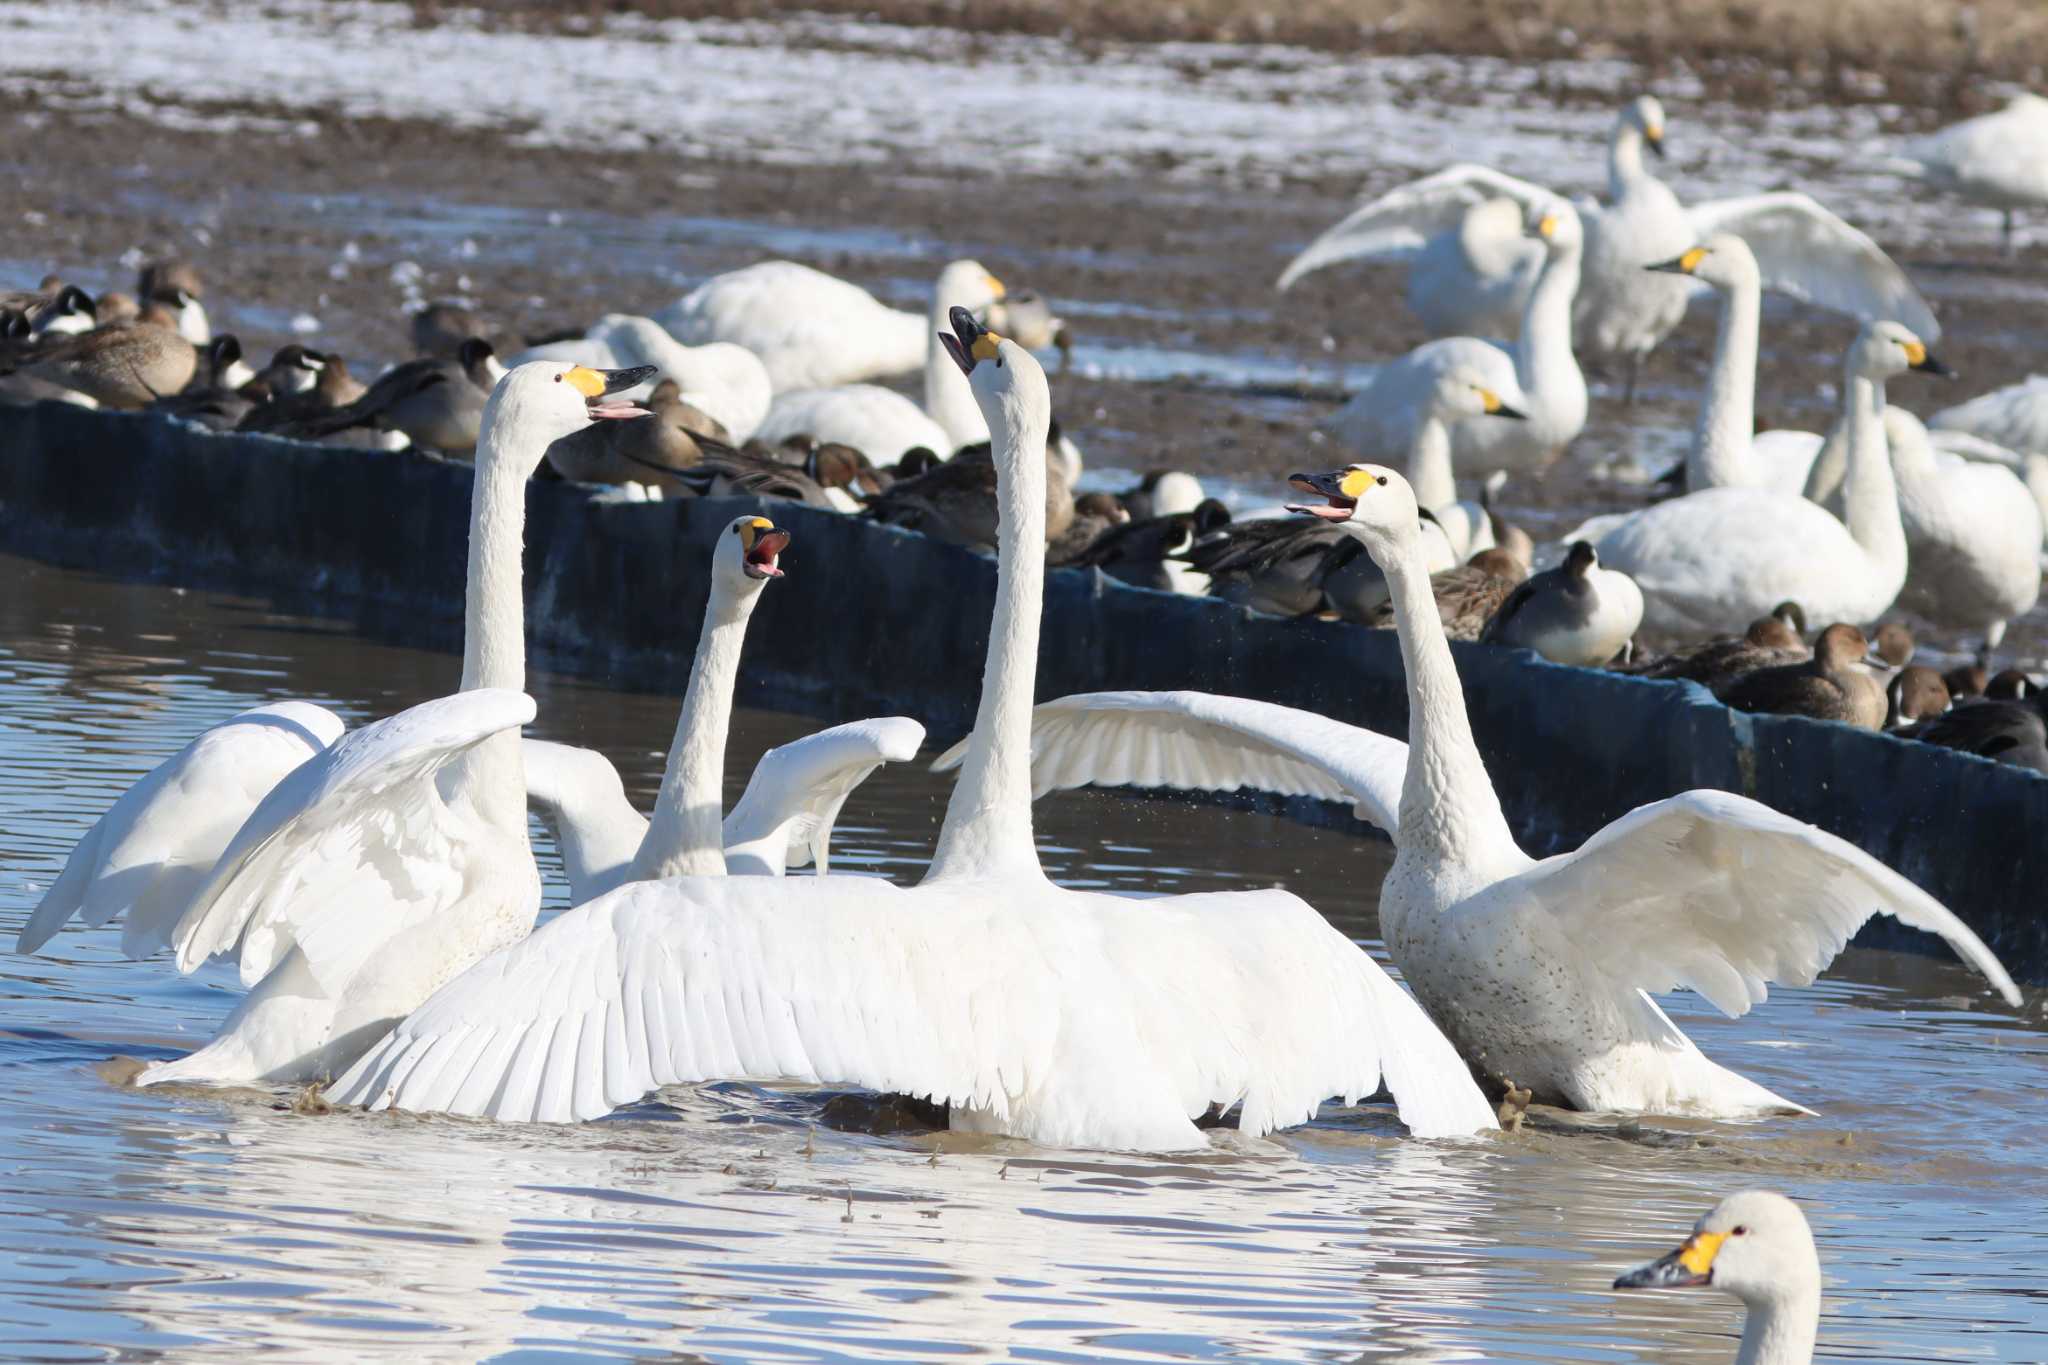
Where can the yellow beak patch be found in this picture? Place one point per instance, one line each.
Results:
(1354, 483)
(585, 380)
(1697, 1255)
(1690, 261)
(1548, 227)
(1916, 354)
(750, 530)
(995, 286)
(1489, 398)
(985, 345)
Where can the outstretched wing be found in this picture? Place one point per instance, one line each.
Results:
(1807, 252)
(155, 845)
(785, 816)
(1725, 895)
(362, 831)
(1395, 226)
(1203, 742)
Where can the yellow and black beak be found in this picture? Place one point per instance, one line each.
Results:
(1681, 265)
(1919, 358)
(1655, 137)
(760, 546)
(1692, 1264)
(969, 342)
(1341, 487)
(1496, 408)
(596, 385)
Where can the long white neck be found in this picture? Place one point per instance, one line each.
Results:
(684, 838)
(1429, 465)
(1870, 496)
(900, 341)
(1782, 1332)
(948, 399)
(1722, 454)
(987, 831)
(490, 776)
(1449, 812)
(1625, 161)
(1544, 362)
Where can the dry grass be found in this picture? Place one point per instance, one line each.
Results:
(1932, 53)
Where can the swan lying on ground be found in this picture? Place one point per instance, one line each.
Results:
(1757, 1246)
(1068, 1018)
(1997, 159)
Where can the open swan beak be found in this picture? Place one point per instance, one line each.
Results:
(969, 342)
(761, 546)
(1330, 486)
(595, 385)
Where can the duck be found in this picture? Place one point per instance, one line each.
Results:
(289, 409)
(178, 284)
(1459, 394)
(653, 451)
(1915, 693)
(1832, 685)
(54, 308)
(1472, 276)
(1577, 613)
(883, 423)
(1994, 159)
(956, 501)
(1538, 374)
(1286, 568)
(810, 329)
(1065, 1018)
(122, 365)
(1719, 558)
(726, 381)
(1095, 515)
(1162, 493)
(1769, 642)
(1152, 553)
(440, 328)
(1757, 1247)
(434, 404)
(2007, 729)
(1468, 596)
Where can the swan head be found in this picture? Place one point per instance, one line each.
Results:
(1755, 1245)
(1885, 348)
(1556, 224)
(1009, 384)
(1724, 260)
(969, 285)
(538, 403)
(748, 552)
(1462, 392)
(1645, 115)
(1372, 502)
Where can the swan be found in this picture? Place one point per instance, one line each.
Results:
(1997, 159)
(1067, 1018)
(882, 423)
(1715, 560)
(727, 383)
(1538, 373)
(1458, 230)
(791, 802)
(1757, 1246)
(1461, 393)
(1539, 971)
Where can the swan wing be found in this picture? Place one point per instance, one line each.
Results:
(1725, 895)
(1071, 1019)
(1396, 225)
(146, 856)
(1203, 742)
(578, 795)
(361, 830)
(1807, 252)
(785, 816)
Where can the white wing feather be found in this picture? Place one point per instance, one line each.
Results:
(785, 816)
(1810, 254)
(155, 845)
(1203, 742)
(1395, 226)
(1065, 1018)
(359, 830)
(1724, 895)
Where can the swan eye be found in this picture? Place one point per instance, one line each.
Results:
(558, 379)
(1383, 481)
(1740, 1231)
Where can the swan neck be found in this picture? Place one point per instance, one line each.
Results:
(1722, 454)
(1449, 812)
(685, 838)
(1429, 465)
(1625, 161)
(987, 830)
(1870, 496)
(1781, 1330)
(491, 776)
(1543, 356)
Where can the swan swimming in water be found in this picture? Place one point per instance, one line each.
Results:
(1756, 1246)
(1068, 1018)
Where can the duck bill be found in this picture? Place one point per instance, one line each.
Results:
(1329, 486)
(761, 560)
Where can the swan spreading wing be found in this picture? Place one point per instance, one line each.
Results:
(361, 830)
(1203, 742)
(1810, 254)
(1395, 226)
(785, 816)
(1063, 1017)
(155, 845)
(1725, 895)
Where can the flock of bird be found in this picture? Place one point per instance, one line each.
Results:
(378, 894)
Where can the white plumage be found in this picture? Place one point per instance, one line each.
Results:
(1997, 159)
(2015, 416)
(812, 330)
(725, 382)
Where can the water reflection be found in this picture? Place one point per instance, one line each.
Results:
(724, 1223)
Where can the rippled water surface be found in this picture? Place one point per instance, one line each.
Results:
(728, 1223)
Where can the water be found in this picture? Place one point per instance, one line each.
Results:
(725, 1223)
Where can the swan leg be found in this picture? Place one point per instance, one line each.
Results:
(1514, 1103)
(1635, 370)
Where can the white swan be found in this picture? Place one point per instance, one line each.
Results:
(1997, 159)
(723, 381)
(1756, 1246)
(2015, 417)
(1462, 393)
(1715, 560)
(393, 858)
(1453, 225)
(1540, 971)
(1067, 1018)
(881, 423)
(1538, 374)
